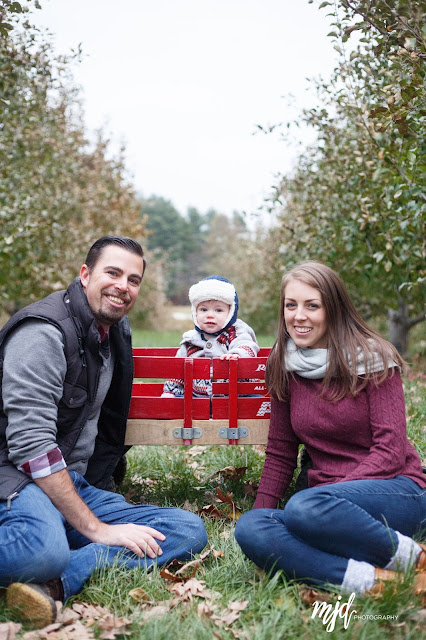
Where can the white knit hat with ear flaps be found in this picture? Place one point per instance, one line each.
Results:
(214, 288)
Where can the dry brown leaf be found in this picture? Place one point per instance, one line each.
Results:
(190, 506)
(196, 450)
(205, 610)
(224, 499)
(139, 594)
(309, 596)
(238, 605)
(231, 613)
(9, 630)
(213, 512)
(113, 622)
(156, 612)
(76, 631)
(250, 489)
(168, 575)
(234, 510)
(419, 615)
(195, 563)
(91, 611)
(186, 591)
(231, 472)
(67, 616)
(114, 626)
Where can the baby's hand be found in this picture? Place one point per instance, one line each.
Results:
(229, 356)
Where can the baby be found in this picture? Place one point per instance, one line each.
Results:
(217, 332)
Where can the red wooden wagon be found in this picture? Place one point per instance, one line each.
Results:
(230, 417)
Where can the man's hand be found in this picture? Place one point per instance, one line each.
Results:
(138, 538)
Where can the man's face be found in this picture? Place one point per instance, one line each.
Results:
(113, 284)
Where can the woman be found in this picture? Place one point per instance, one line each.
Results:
(335, 386)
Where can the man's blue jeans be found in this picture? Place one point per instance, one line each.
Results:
(321, 528)
(36, 544)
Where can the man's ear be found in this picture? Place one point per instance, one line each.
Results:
(84, 275)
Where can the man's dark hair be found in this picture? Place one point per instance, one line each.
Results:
(120, 241)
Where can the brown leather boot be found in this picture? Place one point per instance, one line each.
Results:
(381, 576)
(421, 560)
(420, 584)
(35, 603)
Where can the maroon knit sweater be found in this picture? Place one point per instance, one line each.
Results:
(353, 439)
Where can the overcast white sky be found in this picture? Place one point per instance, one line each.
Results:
(183, 84)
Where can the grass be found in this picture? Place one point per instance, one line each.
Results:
(277, 609)
(143, 338)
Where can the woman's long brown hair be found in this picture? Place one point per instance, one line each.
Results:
(347, 332)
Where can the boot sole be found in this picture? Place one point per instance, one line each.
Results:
(31, 603)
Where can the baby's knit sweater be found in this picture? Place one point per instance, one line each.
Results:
(352, 439)
(239, 339)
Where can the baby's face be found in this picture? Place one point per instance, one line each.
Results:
(211, 315)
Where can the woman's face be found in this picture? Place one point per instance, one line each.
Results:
(304, 315)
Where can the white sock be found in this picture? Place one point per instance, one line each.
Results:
(359, 577)
(406, 554)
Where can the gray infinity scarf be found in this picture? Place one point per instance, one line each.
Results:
(313, 363)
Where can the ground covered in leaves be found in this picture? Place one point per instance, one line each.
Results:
(220, 594)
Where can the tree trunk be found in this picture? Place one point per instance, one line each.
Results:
(400, 324)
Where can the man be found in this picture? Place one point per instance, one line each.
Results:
(66, 387)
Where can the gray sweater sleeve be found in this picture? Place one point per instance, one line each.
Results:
(34, 372)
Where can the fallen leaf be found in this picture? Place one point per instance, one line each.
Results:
(205, 610)
(196, 450)
(419, 615)
(89, 610)
(186, 591)
(156, 612)
(309, 596)
(67, 616)
(231, 472)
(9, 630)
(139, 594)
(114, 626)
(168, 575)
(195, 563)
(224, 499)
(213, 512)
(231, 613)
(190, 506)
(250, 489)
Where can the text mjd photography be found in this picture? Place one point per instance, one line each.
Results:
(342, 610)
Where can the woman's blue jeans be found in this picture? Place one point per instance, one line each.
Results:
(36, 544)
(321, 528)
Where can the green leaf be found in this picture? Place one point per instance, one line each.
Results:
(324, 4)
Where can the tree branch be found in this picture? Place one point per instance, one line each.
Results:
(420, 318)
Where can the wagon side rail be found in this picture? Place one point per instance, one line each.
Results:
(237, 413)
